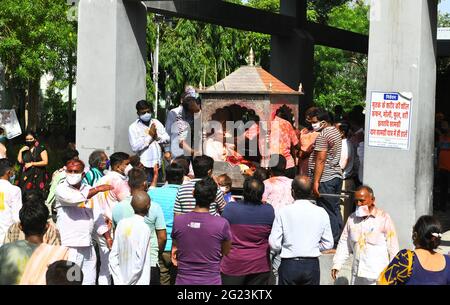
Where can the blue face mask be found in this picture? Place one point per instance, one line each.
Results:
(108, 164)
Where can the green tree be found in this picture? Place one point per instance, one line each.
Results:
(340, 76)
(36, 38)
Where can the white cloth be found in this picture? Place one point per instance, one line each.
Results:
(301, 229)
(104, 276)
(144, 145)
(10, 205)
(129, 261)
(75, 219)
(86, 259)
(347, 155)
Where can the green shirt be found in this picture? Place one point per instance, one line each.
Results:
(154, 220)
(13, 260)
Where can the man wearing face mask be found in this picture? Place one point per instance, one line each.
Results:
(10, 198)
(370, 236)
(105, 203)
(75, 218)
(183, 124)
(146, 135)
(325, 171)
(308, 137)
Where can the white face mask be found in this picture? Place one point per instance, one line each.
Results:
(146, 117)
(362, 211)
(316, 126)
(127, 169)
(74, 179)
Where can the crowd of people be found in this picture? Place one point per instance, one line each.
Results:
(161, 216)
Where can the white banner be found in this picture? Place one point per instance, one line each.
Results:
(390, 120)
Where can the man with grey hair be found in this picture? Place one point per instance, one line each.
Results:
(300, 232)
(370, 236)
(98, 163)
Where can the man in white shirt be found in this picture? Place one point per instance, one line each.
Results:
(146, 135)
(75, 219)
(370, 236)
(105, 202)
(10, 198)
(301, 231)
(183, 124)
(346, 163)
(129, 261)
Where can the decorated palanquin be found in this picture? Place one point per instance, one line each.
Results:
(236, 116)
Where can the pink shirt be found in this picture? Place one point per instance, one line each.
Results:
(277, 192)
(105, 202)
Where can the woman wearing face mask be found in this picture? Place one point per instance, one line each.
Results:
(3, 140)
(33, 159)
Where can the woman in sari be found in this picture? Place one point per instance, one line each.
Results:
(423, 266)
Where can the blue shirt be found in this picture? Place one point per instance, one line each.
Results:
(165, 196)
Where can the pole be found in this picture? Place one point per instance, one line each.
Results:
(156, 69)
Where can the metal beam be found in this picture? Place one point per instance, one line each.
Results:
(336, 38)
(225, 14)
(250, 19)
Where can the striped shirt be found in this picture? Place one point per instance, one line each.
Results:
(92, 176)
(330, 141)
(185, 201)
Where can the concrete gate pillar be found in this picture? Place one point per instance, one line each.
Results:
(402, 58)
(111, 72)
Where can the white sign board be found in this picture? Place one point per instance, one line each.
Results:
(443, 34)
(390, 120)
(9, 121)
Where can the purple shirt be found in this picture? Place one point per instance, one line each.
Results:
(250, 226)
(199, 238)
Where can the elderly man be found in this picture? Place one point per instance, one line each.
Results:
(370, 236)
(300, 232)
(75, 218)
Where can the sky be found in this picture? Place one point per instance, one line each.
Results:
(444, 6)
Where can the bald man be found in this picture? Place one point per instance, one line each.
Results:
(300, 232)
(129, 260)
(370, 236)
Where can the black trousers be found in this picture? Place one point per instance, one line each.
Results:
(332, 206)
(291, 172)
(299, 271)
(154, 276)
(249, 279)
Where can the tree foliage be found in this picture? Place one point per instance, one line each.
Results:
(36, 38)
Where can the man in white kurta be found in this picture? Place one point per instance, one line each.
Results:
(129, 260)
(75, 219)
(10, 199)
